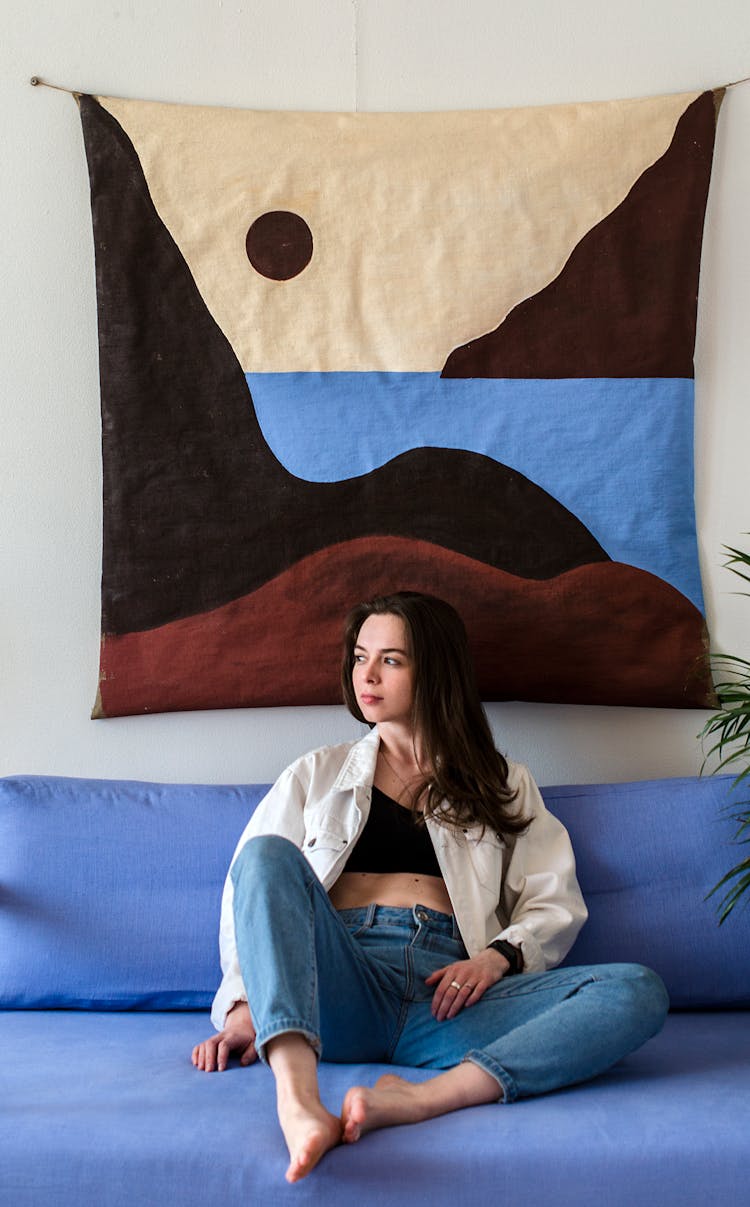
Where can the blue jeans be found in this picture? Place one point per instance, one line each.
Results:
(353, 982)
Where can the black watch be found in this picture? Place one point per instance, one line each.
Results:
(511, 953)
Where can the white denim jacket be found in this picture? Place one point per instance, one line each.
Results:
(523, 890)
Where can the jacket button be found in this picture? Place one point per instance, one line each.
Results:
(311, 843)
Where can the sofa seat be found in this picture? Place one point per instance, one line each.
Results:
(109, 904)
(105, 1108)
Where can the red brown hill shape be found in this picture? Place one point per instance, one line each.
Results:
(603, 633)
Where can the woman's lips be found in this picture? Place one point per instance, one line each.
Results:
(370, 699)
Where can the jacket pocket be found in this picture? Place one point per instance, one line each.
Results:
(325, 841)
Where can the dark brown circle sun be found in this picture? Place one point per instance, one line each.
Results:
(279, 245)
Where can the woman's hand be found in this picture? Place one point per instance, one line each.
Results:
(473, 977)
(238, 1036)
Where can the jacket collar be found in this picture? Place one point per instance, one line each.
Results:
(358, 771)
(359, 766)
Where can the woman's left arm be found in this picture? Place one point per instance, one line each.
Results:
(540, 895)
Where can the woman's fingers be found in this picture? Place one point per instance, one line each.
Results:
(460, 985)
(476, 992)
(204, 1054)
(453, 990)
(238, 1036)
(460, 998)
(222, 1054)
(212, 1054)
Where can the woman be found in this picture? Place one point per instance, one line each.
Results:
(401, 898)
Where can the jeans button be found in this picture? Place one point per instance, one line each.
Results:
(421, 915)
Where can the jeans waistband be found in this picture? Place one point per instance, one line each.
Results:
(390, 915)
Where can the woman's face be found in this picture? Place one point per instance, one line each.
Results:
(383, 670)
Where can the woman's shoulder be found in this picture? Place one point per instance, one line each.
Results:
(522, 782)
(331, 758)
(518, 773)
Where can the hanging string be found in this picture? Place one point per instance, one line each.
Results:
(37, 82)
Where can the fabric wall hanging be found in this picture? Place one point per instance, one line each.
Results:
(343, 354)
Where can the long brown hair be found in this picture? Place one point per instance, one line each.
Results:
(467, 782)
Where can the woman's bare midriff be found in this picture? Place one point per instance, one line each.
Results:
(403, 890)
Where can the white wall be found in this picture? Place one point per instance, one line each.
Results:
(333, 54)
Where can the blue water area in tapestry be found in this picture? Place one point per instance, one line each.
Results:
(617, 452)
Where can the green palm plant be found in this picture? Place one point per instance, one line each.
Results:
(726, 737)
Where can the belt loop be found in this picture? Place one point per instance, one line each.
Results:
(370, 915)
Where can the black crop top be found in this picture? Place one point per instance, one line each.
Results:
(392, 841)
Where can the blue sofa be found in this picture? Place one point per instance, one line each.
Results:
(109, 902)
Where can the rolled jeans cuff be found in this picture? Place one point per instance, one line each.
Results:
(508, 1087)
(285, 1026)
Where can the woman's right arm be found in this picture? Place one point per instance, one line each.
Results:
(280, 812)
(238, 1035)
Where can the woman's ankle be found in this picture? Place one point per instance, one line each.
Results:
(294, 1064)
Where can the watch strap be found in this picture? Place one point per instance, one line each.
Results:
(511, 953)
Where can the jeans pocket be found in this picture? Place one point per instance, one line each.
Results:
(445, 949)
(355, 920)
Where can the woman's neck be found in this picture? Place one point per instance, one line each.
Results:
(400, 745)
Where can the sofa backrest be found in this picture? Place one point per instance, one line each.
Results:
(110, 890)
(648, 855)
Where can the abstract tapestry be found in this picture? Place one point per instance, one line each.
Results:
(345, 354)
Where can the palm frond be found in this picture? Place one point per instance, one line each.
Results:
(726, 740)
(740, 873)
(738, 558)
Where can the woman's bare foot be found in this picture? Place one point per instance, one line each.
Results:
(391, 1100)
(309, 1131)
(394, 1100)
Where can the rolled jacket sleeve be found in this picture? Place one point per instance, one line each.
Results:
(540, 897)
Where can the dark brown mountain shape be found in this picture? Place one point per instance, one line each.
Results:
(625, 303)
(600, 634)
(197, 510)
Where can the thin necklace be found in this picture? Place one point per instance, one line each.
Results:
(400, 779)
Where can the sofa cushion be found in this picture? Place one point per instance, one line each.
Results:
(106, 1110)
(110, 890)
(648, 853)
